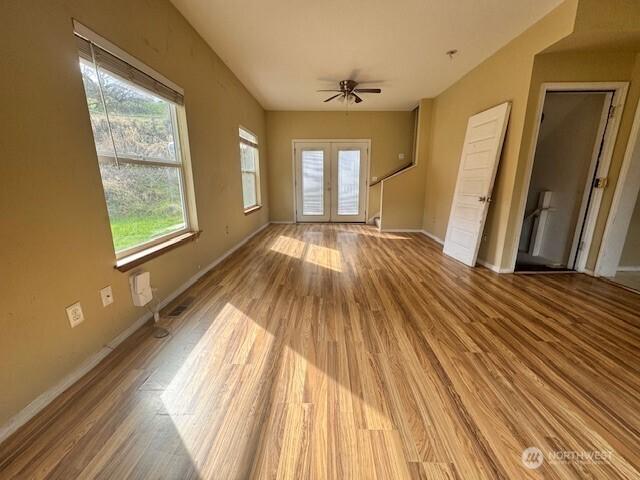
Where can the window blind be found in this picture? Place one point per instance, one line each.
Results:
(312, 182)
(122, 69)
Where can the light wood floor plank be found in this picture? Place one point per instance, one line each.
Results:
(340, 352)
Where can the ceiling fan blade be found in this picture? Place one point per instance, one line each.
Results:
(368, 90)
(335, 90)
(331, 98)
(358, 99)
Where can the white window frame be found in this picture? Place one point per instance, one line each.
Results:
(181, 144)
(178, 165)
(256, 173)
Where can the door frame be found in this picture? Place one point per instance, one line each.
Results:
(622, 205)
(328, 140)
(619, 90)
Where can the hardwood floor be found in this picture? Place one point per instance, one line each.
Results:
(335, 351)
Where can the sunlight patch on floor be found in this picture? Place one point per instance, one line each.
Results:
(374, 232)
(315, 254)
(219, 359)
(325, 257)
(288, 246)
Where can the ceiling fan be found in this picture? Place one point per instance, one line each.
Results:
(349, 93)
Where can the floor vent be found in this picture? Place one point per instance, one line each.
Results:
(179, 310)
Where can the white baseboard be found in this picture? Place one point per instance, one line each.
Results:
(433, 237)
(401, 230)
(628, 268)
(492, 267)
(288, 222)
(44, 399)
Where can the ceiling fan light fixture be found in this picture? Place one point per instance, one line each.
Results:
(348, 92)
(451, 53)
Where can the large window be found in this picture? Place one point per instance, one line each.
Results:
(135, 127)
(250, 167)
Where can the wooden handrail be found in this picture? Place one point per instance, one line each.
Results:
(391, 173)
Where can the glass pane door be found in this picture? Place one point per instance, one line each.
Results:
(349, 162)
(313, 176)
(331, 181)
(348, 182)
(312, 182)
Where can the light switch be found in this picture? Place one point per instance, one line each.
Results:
(107, 296)
(75, 315)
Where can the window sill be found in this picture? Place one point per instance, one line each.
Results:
(252, 209)
(132, 261)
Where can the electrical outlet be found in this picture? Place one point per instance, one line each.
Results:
(75, 315)
(107, 296)
(401, 156)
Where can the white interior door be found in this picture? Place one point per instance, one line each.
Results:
(476, 174)
(331, 181)
(349, 164)
(313, 182)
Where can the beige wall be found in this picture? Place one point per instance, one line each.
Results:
(581, 66)
(594, 16)
(631, 251)
(503, 77)
(402, 194)
(55, 235)
(516, 73)
(391, 133)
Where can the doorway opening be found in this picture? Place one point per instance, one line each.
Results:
(331, 180)
(576, 132)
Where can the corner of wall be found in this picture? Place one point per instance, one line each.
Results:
(402, 195)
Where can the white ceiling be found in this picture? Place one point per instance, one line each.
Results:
(284, 50)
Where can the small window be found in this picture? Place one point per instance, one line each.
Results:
(135, 128)
(250, 168)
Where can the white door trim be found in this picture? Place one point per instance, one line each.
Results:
(624, 200)
(328, 140)
(619, 97)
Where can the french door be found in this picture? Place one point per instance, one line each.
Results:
(331, 181)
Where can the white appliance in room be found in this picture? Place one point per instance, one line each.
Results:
(141, 292)
(539, 216)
